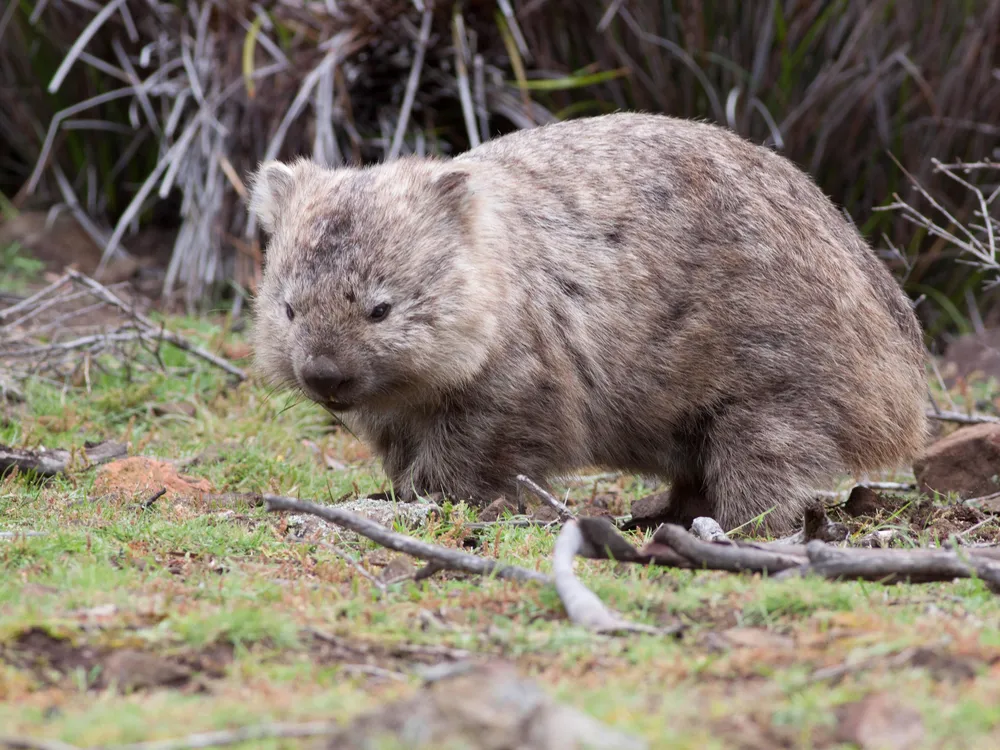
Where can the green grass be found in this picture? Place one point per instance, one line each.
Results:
(186, 580)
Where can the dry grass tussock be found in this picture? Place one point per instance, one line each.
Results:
(140, 113)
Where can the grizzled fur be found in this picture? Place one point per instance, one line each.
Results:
(629, 291)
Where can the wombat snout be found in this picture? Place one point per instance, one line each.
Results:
(326, 381)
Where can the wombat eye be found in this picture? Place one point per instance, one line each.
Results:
(289, 311)
(379, 311)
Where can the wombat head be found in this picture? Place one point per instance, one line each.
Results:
(373, 293)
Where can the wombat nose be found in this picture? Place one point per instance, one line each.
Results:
(324, 378)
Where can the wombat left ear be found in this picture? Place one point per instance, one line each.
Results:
(270, 187)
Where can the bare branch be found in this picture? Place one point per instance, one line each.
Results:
(582, 605)
(49, 463)
(451, 559)
(236, 736)
(30, 743)
(959, 418)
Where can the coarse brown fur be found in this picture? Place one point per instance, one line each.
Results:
(631, 291)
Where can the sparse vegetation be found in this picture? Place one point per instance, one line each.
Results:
(238, 602)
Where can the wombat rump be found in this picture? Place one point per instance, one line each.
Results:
(633, 292)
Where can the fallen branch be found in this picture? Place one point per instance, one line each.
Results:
(33, 340)
(899, 566)
(236, 736)
(449, 558)
(154, 331)
(582, 605)
(49, 463)
(725, 556)
(29, 743)
(959, 418)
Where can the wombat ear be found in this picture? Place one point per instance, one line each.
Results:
(270, 187)
(453, 187)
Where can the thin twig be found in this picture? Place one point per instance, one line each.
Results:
(148, 502)
(548, 498)
(29, 301)
(354, 563)
(452, 559)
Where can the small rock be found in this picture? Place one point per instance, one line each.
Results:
(972, 355)
(489, 707)
(386, 512)
(817, 525)
(863, 501)
(496, 510)
(879, 722)
(399, 567)
(967, 462)
(708, 529)
(302, 526)
(134, 670)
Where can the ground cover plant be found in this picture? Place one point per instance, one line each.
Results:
(151, 596)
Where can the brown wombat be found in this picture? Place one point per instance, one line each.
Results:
(634, 292)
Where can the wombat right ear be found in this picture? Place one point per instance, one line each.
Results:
(270, 187)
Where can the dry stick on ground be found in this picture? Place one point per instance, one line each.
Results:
(29, 743)
(959, 418)
(733, 558)
(148, 502)
(358, 567)
(449, 558)
(236, 736)
(582, 605)
(29, 301)
(52, 462)
(898, 565)
(151, 329)
(545, 496)
(784, 560)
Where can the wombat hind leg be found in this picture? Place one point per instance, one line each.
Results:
(761, 464)
(687, 501)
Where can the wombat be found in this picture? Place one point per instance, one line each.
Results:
(631, 291)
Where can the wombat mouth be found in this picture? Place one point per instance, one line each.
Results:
(338, 405)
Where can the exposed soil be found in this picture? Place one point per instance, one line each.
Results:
(51, 659)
